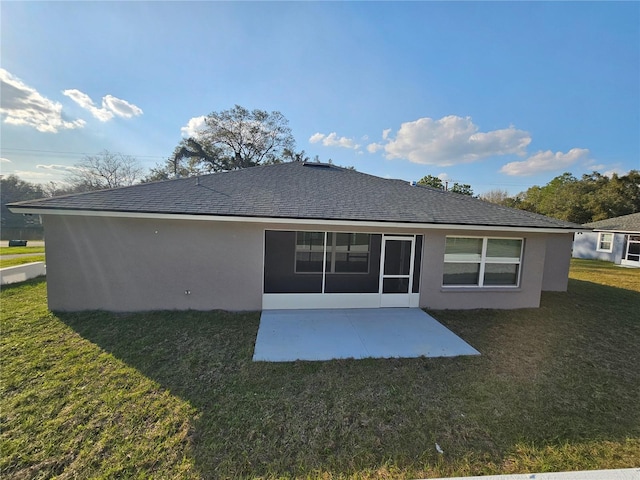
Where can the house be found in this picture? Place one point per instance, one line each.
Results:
(295, 235)
(615, 240)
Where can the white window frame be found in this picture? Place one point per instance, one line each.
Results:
(601, 239)
(484, 260)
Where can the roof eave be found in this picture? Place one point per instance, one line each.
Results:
(290, 220)
(614, 230)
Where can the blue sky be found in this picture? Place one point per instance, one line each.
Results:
(496, 95)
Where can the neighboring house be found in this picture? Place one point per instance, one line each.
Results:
(615, 240)
(295, 235)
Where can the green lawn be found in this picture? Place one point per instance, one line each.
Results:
(20, 250)
(32, 254)
(12, 262)
(176, 395)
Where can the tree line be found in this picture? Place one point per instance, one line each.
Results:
(240, 138)
(590, 198)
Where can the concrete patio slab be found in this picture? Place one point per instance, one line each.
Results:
(619, 474)
(21, 273)
(289, 335)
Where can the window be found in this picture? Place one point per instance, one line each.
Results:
(346, 252)
(309, 252)
(482, 261)
(605, 242)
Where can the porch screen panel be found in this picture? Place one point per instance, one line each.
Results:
(349, 252)
(633, 248)
(417, 261)
(397, 257)
(348, 279)
(280, 257)
(309, 252)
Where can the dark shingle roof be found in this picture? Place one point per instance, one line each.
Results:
(300, 191)
(625, 223)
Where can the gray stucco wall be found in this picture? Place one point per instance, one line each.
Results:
(121, 264)
(557, 261)
(585, 245)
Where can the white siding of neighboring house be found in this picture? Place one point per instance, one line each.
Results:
(585, 245)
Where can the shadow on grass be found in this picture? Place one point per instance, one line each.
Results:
(574, 359)
(563, 373)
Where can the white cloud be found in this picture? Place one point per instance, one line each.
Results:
(385, 133)
(595, 167)
(4, 160)
(614, 170)
(544, 162)
(444, 176)
(374, 147)
(58, 168)
(120, 107)
(193, 127)
(45, 173)
(452, 140)
(316, 137)
(85, 102)
(23, 105)
(38, 176)
(111, 106)
(332, 140)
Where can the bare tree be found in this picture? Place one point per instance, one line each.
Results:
(104, 170)
(497, 195)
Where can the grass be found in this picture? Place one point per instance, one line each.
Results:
(12, 262)
(20, 250)
(605, 273)
(176, 395)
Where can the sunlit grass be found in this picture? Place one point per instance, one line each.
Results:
(606, 273)
(20, 250)
(69, 406)
(12, 262)
(176, 395)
